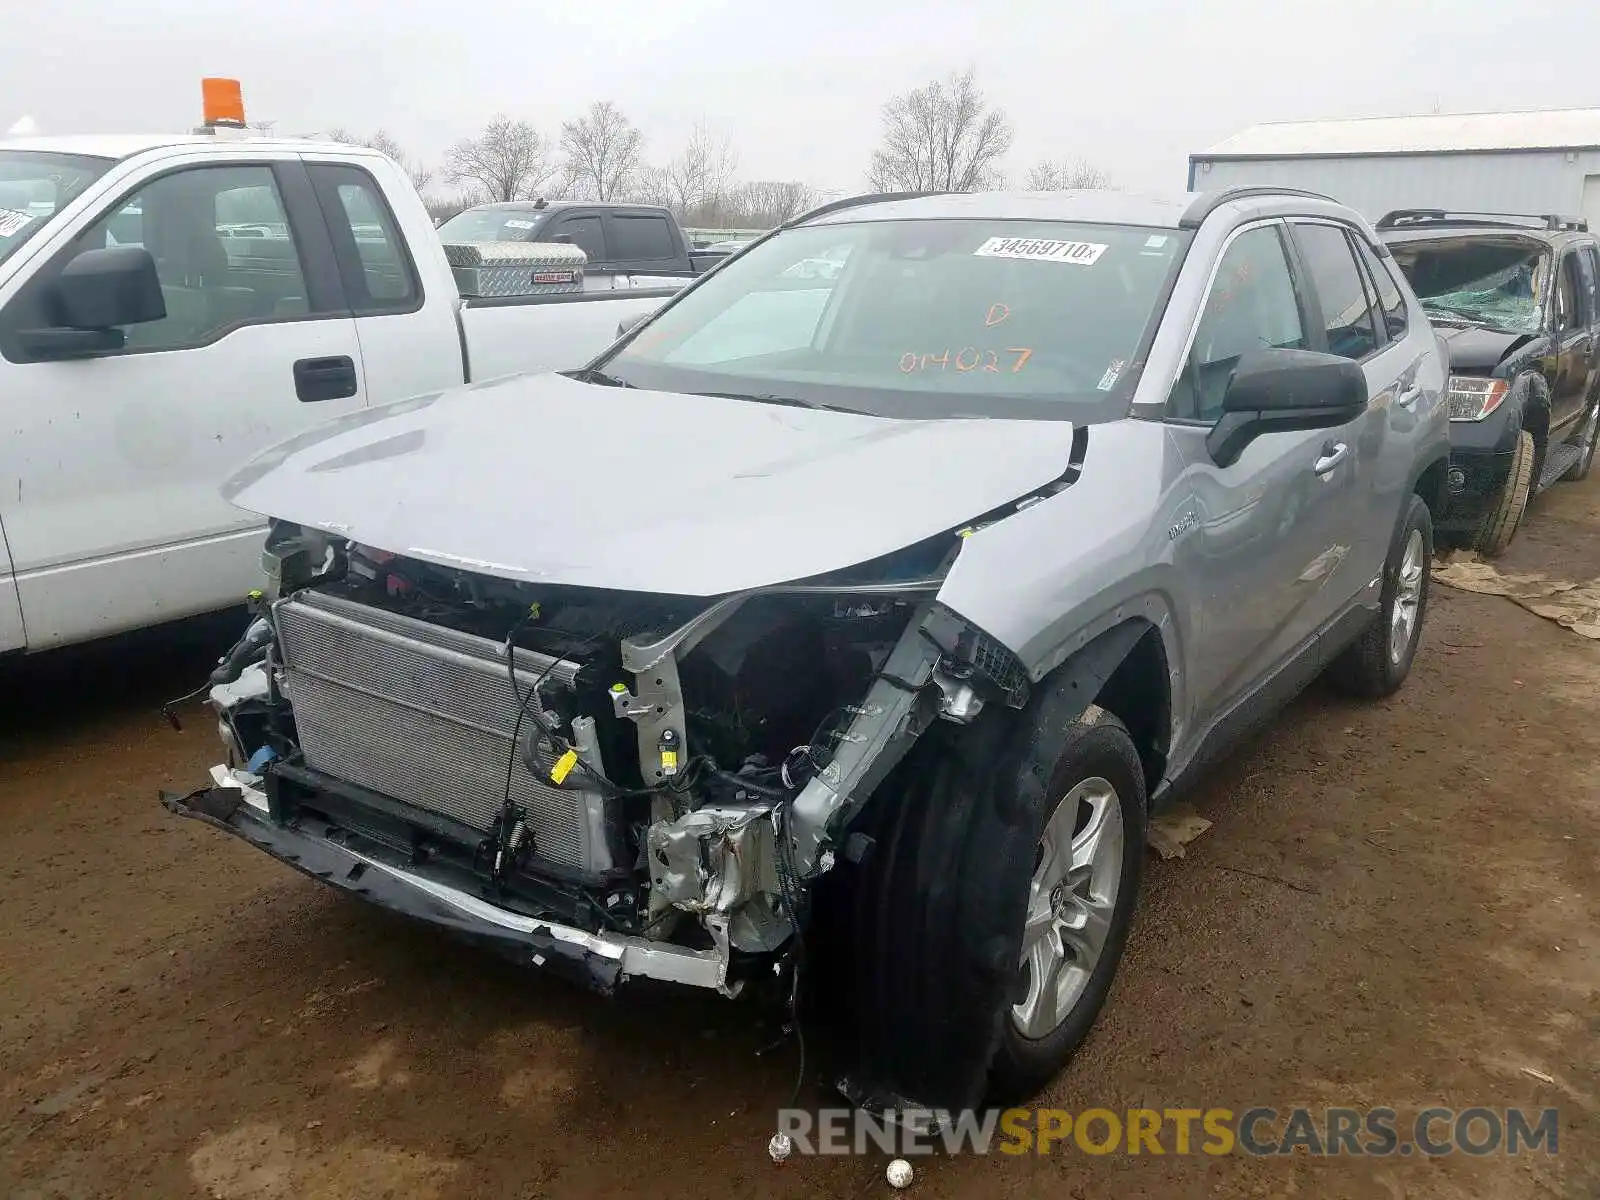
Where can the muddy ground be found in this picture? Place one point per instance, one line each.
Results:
(1398, 905)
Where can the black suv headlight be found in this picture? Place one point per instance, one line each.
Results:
(1472, 398)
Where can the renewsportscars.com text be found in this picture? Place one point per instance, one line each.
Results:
(1261, 1131)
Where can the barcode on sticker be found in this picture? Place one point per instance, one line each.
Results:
(1083, 254)
(11, 220)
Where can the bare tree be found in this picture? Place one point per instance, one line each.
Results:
(940, 137)
(420, 174)
(769, 202)
(383, 143)
(442, 210)
(509, 160)
(695, 183)
(1064, 175)
(602, 151)
(651, 186)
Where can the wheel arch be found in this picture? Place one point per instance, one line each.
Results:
(1535, 407)
(1431, 481)
(1125, 670)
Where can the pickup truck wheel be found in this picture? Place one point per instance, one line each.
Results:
(994, 918)
(1377, 663)
(1510, 501)
(1587, 437)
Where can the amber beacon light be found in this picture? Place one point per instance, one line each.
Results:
(222, 103)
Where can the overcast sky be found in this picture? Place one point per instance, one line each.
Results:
(1132, 85)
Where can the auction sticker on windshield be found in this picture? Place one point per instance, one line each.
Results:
(1083, 254)
(11, 220)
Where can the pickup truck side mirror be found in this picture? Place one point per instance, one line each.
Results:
(628, 324)
(97, 292)
(1283, 391)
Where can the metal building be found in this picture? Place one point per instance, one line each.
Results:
(1545, 161)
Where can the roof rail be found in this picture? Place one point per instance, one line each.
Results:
(1553, 222)
(1204, 206)
(834, 206)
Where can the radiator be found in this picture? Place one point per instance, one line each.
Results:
(425, 715)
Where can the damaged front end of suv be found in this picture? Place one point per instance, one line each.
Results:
(607, 784)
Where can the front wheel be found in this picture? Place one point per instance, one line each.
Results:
(1510, 499)
(990, 926)
(1080, 905)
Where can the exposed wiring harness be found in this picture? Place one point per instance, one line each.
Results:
(507, 842)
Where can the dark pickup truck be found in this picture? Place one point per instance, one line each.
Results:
(1513, 298)
(619, 239)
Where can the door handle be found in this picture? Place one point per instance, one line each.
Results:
(318, 379)
(1333, 453)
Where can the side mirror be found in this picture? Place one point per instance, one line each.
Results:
(628, 324)
(1285, 391)
(95, 294)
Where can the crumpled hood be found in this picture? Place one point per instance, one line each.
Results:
(544, 479)
(1477, 349)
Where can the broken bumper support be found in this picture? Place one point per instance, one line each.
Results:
(597, 960)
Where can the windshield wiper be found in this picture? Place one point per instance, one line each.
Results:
(1445, 311)
(1482, 320)
(589, 375)
(790, 401)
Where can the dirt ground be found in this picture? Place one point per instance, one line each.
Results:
(1398, 905)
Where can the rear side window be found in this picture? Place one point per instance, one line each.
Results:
(374, 263)
(641, 238)
(1347, 314)
(1391, 301)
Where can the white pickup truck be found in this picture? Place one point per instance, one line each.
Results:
(171, 305)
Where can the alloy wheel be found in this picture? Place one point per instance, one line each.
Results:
(1071, 899)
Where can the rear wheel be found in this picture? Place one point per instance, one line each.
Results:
(1377, 663)
(1510, 500)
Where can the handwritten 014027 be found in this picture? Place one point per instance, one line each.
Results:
(968, 358)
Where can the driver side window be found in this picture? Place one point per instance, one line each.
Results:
(1251, 306)
(223, 248)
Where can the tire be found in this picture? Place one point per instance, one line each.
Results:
(942, 914)
(1588, 436)
(1510, 501)
(1377, 663)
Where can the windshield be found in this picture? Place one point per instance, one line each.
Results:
(919, 319)
(34, 186)
(1498, 282)
(492, 225)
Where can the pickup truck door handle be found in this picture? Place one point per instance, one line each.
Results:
(1333, 453)
(325, 378)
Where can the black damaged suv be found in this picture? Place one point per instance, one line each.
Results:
(1513, 298)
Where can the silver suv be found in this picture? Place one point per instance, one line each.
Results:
(844, 628)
